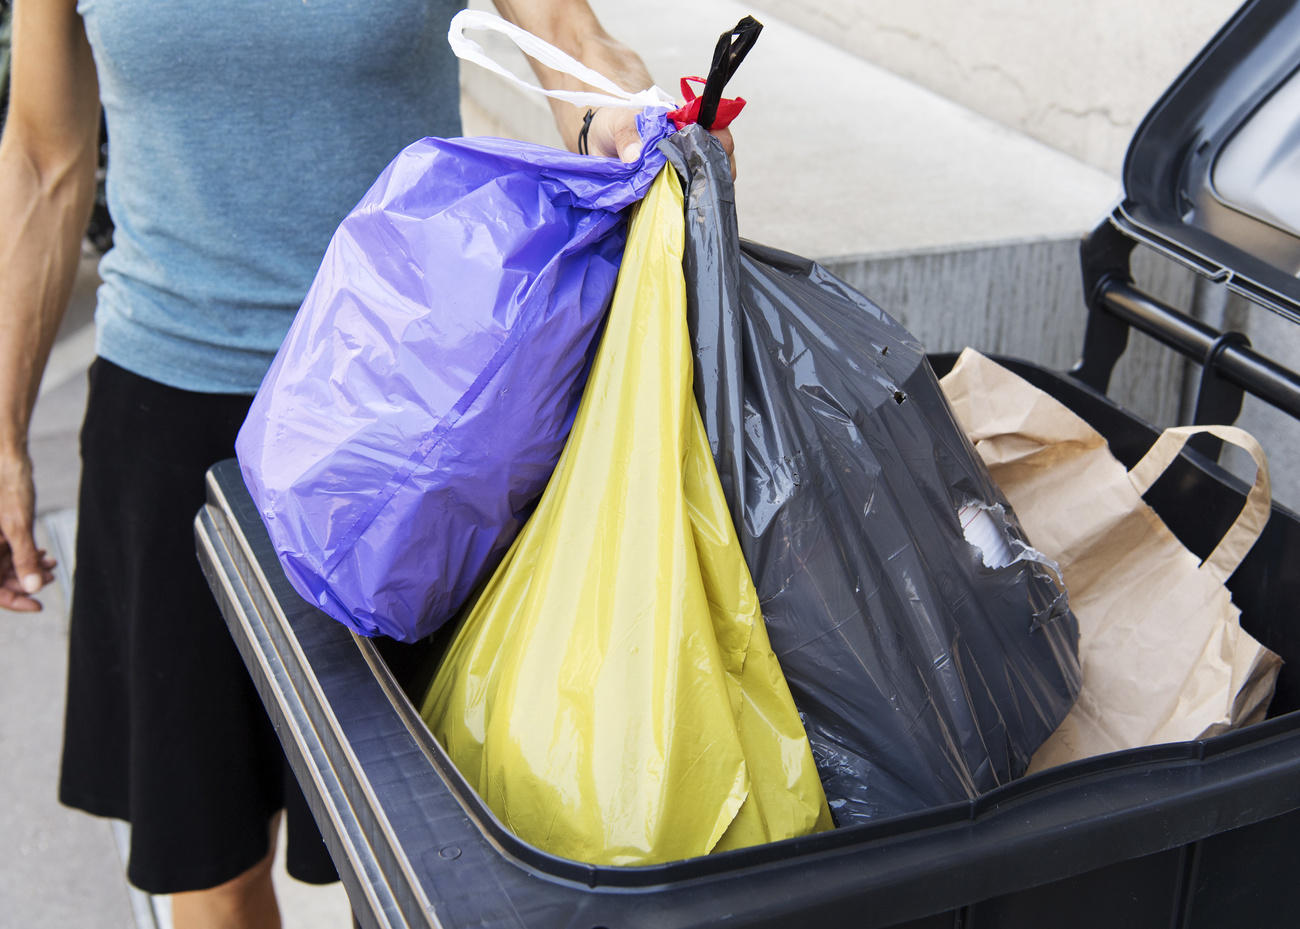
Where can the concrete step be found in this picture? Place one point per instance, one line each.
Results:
(837, 157)
(1078, 76)
(961, 228)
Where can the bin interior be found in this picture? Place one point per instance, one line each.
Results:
(1164, 826)
(1196, 498)
(1198, 501)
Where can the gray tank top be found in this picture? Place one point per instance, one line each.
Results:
(241, 132)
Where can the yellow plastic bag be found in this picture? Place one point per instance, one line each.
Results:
(612, 695)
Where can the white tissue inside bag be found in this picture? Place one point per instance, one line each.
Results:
(985, 532)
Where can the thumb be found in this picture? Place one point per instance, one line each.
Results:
(614, 132)
(630, 152)
(628, 141)
(17, 505)
(22, 549)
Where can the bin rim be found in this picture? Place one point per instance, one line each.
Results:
(1172, 202)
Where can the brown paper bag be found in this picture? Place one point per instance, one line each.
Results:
(1164, 657)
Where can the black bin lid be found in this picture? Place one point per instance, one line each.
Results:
(1212, 175)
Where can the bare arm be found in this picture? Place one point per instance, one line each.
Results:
(47, 183)
(571, 26)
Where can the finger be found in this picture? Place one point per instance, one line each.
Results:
(724, 136)
(19, 603)
(12, 584)
(10, 581)
(15, 585)
(629, 149)
(26, 565)
(728, 145)
(614, 133)
(16, 514)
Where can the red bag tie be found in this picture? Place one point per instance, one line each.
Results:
(689, 112)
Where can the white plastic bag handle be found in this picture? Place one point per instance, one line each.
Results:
(1241, 535)
(553, 58)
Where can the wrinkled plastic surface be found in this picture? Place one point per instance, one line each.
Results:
(923, 675)
(612, 694)
(419, 402)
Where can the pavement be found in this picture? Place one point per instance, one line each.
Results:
(60, 868)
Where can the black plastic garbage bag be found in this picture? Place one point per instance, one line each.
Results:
(923, 675)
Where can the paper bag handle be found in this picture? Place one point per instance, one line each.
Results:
(553, 58)
(1246, 529)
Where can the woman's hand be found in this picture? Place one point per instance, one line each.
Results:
(613, 134)
(572, 27)
(47, 187)
(24, 568)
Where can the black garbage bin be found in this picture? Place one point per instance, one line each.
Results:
(1198, 834)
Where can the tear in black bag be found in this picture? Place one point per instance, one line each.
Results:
(923, 675)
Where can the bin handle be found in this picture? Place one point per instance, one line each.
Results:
(535, 48)
(1246, 529)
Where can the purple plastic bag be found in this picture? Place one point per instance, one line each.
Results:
(423, 394)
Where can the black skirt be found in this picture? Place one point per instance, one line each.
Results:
(164, 728)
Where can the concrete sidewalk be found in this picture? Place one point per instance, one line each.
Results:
(60, 868)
